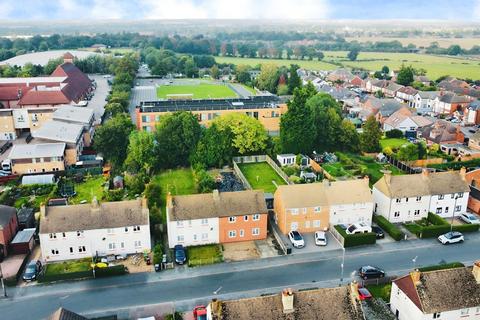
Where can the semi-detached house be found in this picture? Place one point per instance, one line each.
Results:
(449, 294)
(217, 217)
(410, 197)
(317, 206)
(85, 230)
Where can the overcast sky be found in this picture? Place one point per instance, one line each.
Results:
(466, 10)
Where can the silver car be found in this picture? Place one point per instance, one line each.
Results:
(451, 237)
(469, 218)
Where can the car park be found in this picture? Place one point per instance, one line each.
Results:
(364, 294)
(370, 272)
(180, 255)
(451, 237)
(379, 233)
(296, 239)
(320, 238)
(469, 218)
(361, 227)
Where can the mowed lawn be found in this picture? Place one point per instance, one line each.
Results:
(436, 66)
(91, 187)
(261, 175)
(200, 91)
(177, 182)
(393, 143)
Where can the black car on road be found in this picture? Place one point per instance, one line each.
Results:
(378, 232)
(32, 270)
(369, 272)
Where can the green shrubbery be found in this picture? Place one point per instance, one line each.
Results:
(435, 225)
(442, 266)
(353, 240)
(389, 227)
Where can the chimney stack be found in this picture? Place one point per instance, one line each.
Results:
(287, 301)
(425, 173)
(476, 271)
(169, 200)
(415, 277)
(388, 176)
(216, 195)
(463, 172)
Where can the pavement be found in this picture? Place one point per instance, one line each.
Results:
(182, 288)
(97, 103)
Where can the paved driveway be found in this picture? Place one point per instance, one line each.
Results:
(310, 246)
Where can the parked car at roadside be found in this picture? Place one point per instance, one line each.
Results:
(180, 255)
(296, 239)
(379, 233)
(370, 272)
(31, 271)
(469, 218)
(361, 227)
(320, 238)
(451, 237)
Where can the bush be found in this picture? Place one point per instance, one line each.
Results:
(135, 184)
(435, 225)
(352, 240)
(395, 133)
(50, 277)
(205, 182)
(152, 193)
(110, 271)
(442, 266)
(389, 227)
(114, 195)
(436, 219)
(157, 254)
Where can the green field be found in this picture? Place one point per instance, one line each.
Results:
(200, 91)
(436, 66)
(177, 181)
(260, 176)
(393, 143)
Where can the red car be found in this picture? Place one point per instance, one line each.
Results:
(200, 313)
(364, 294)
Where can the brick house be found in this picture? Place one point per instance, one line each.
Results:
(8, 225)
(217, 217)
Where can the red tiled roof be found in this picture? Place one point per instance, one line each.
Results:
(78, 82)
(9, 93)
(34, 97)
(408, 287)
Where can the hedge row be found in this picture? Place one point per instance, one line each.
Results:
(99, 273)
(442, 266)
(352, 240)
(439, 226)
(389, 227)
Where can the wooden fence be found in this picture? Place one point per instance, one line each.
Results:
(318, 169)
(256, 159)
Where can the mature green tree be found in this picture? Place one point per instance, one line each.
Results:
(385, 70)
(215, 72)
(268, 78)
(325, 122)
(140, 150)
(242, 74)
(248, 134)
(114, 108)
(349, 138)
(454, 50)
(121, 97)
(111, 139)
(405, 75)
(214, 149)
(294, 80)
(296, 124)
(176, 137)
(408, 152)
(320, 55)
(353, 54)
(52, 64)
(371, 135)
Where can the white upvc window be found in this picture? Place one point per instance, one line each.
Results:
(125, 230)
(232, 234)
(136, 228)
(194, 237)
(294, 211)
(316, 223)
(256, 217)
(232, 219)
(245, 218)
(122, 245)
(419, 198)
(80, 233)
(138, 244)
(180, 238)
(179, 223)
(304, 210)
(53, 236)
(294, 226)
(439, 210)
(242, 233)
(317, 209)
(460, 195)
(82, 249)
(111, 246)
(55, 252)
(396, 214)
(204, 236)
(464, 312)
(204, 221)
(110, 231)
(441, 197)
(255, 231)
(458, 208)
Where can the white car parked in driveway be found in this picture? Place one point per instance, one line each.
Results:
(361, 227)
(451, 237)
(320, 238)
(469, 218)
(296, 239)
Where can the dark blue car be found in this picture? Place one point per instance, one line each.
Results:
(180, 255)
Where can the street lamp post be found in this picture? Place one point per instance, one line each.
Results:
(453, 212)
(342, 265)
